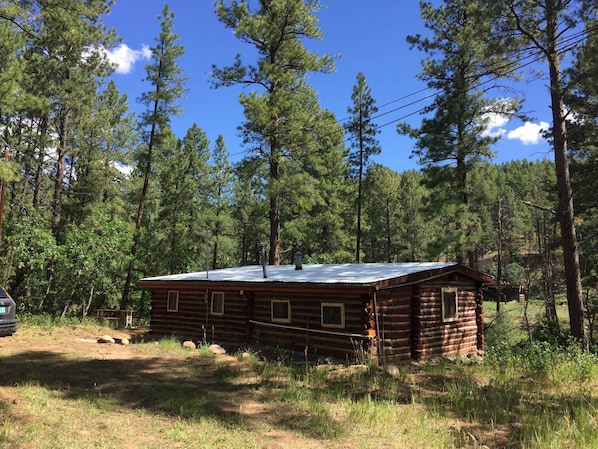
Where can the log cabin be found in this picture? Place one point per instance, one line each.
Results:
(392, 311)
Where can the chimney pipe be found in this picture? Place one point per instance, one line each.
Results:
(263, 257)
(298, 260)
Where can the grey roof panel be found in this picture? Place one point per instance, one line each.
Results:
(318, 273)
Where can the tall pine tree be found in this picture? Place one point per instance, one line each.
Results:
(452, 141)
(362, 134)
(165, 77)
(274, 125)
(550, 27)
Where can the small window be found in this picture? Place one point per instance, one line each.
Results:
(281, 311)
(333, 315)
(450, 306)
(217, 307)
(173, 301)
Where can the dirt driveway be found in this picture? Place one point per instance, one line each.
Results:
(142, 375)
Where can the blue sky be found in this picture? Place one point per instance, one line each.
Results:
(367, 36)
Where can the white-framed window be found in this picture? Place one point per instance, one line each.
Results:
(450, 304)
(217, 306)
(333, 314)
(281, 311)
(172, 303)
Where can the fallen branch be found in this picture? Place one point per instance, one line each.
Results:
(544, 208)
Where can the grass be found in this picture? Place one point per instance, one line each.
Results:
(153, 394)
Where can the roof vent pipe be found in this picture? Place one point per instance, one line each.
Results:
(263, 257)
(298, 260)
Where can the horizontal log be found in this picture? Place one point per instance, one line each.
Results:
(396, 342)
(398, 309)
(450, 328)
(395, 318)
(395, 326)
(446, 346)
(396, 302)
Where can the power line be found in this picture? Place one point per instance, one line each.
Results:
(533, 54)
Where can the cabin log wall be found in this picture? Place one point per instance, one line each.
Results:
(303, 332)
(398, 320)
(193, 318)
(412, 325)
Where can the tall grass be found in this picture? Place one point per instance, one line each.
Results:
(523, 395)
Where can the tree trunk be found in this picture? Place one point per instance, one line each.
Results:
(60, 166)
(565, 192)
(274, 213)
(499, 257)
(148, 169)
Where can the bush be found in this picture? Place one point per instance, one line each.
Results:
(549, 331)
(502, 331)
(542, 361)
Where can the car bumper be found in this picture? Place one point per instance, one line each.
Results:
(8, 327)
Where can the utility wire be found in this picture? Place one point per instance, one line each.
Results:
(533, 54)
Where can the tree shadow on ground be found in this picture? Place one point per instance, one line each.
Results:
(189, 388)
(502, 414)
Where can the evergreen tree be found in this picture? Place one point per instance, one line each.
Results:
(417, 231)
(164, 75)
(64, 70)
(383, 211)
(362, 134)
(274, 126)
(184, 212)
(66, 53)
(250, 209)
(103, 145)
(582, 132)
(319, 211)
(451, 142)
(546, 26)
(221, 186)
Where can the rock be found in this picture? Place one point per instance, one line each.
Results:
(189, 345)
(124, 341)
(217, 349)
(392, 371)
(106, 339)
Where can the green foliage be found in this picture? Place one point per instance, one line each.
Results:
(278, 115)
(70, 213)
(544, 361)
(502, 331)
(549, 331)
(8, 171)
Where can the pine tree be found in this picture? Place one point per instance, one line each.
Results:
(164, 75)
(383, 211)
(363, 140)
(451, 142)
(582, 134)
(274, 125)
(221, 187)
(545, 26)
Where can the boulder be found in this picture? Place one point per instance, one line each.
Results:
(188, 344)
(392, 371)
(217, 349)
(106, 339)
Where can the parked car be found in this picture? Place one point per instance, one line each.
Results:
(8, 321)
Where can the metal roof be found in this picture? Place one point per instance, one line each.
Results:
(363, 273)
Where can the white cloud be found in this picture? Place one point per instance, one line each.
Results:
(124, 169)
(125, 57)
(529, 133)
(494, 125)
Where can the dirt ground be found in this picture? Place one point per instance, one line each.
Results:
(71, 358)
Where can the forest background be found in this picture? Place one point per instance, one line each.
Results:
(95, 197)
